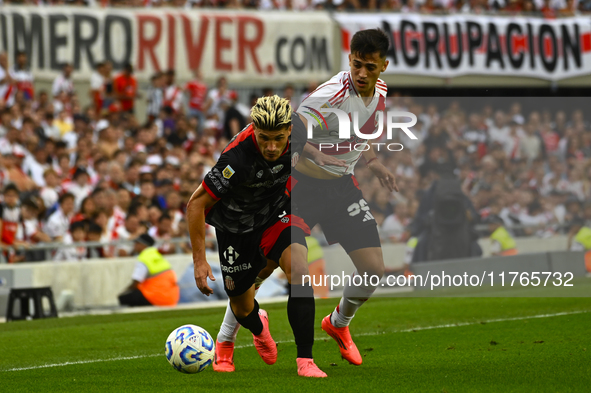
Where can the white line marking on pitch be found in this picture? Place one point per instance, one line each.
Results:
(84, 362)
(459, 324)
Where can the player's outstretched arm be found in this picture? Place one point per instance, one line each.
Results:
(199, 202)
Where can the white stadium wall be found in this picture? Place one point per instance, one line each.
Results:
(97, 283)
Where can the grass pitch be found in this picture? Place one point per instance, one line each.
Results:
(409, 345)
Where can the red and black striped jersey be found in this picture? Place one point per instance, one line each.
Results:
(249, 189)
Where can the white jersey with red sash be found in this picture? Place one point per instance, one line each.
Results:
(7, 90)
(173, 97)
(11, 217)
(339, 93)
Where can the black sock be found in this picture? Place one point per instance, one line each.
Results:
(252, 321)
(301, 310)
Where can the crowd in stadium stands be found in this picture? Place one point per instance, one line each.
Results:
(546, 8)
(72, 173)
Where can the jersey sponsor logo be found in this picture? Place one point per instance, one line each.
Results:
(260, 174)
(216, 182)
(228, 172)
(270, 183)
(285, 220)
(237, 268)
(231, 255)
(277, 168)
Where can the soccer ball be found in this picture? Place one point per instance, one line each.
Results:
(189, 349)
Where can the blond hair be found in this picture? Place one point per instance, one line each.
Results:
(271, 113)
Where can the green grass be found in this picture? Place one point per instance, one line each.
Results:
(549, 354)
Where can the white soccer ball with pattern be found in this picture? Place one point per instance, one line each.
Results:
(189, 349)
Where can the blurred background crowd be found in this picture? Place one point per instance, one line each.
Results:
(547, 8)
(98, 172)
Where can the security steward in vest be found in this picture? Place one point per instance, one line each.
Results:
(502, 242)
(579, 239)
(153, 280)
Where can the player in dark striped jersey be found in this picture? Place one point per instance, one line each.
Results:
(246, 198)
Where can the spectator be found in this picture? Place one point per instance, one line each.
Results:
(173, 94)
(80, 186)
(22, 76)
(14, 172)
(29, 232)
(94, 234)
(155, 96)
(97, 87)
(162, 232)
(7, 83)
(50, 192)
(531, 144)
(215, 97)
(234, 120)
(10, 214)
(86, 211)
(196, 90)
(59, 222)
(63, 82)
(129, 231)
(394, 226)
(10, 140)
(35, 165)
(125, 89)
(77, 234)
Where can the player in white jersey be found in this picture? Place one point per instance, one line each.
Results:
(326, 192)
(329, 194)
(340, 93)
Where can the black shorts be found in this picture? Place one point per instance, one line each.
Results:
(338, 206)
(244, 255)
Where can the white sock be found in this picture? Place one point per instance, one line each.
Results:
(353, 298)
(230, 325)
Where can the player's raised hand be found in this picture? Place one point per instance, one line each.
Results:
(386, 178)
(202, 272)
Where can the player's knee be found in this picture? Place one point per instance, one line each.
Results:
(380, 270)
(240, 309)
(296, 270)
(299, 274)
(375, 269)
(240, 313)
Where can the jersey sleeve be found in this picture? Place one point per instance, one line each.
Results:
(226, 174)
